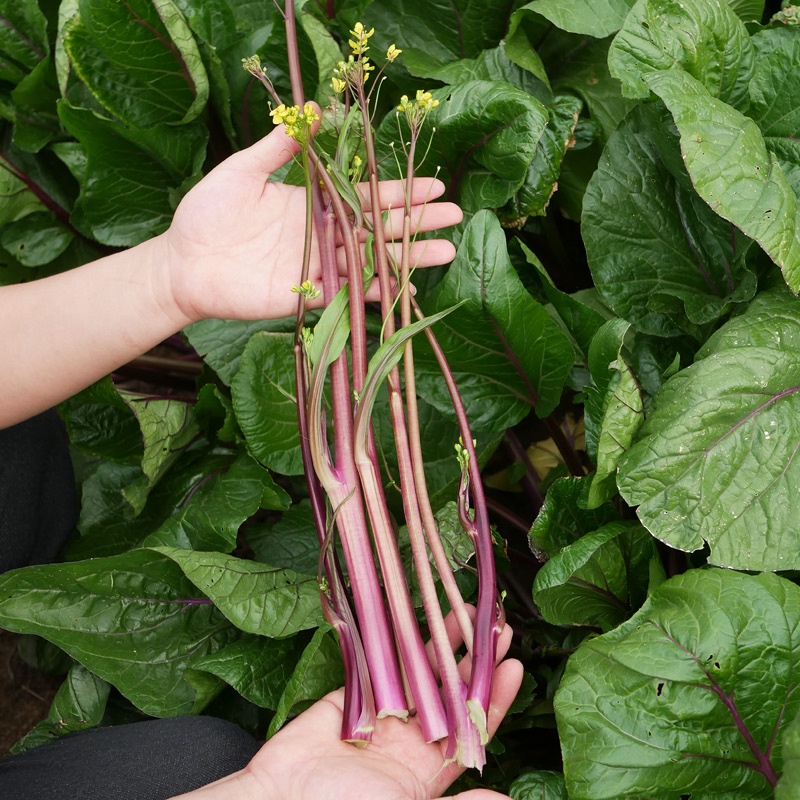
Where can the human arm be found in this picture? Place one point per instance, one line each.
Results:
(233, 251)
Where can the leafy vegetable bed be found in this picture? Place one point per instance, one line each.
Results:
(625, 341)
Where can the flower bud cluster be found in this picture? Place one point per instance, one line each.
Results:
(308, 290)
(355, 71)
(416, 110)
(296, 123)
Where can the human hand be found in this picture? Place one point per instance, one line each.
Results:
(235, 246)
(307, 760)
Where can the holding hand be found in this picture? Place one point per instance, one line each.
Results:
(235, 246)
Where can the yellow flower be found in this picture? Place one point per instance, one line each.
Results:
(360, 46)
(338, 85)
(392, 53)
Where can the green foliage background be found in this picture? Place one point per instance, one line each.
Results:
(630, 174)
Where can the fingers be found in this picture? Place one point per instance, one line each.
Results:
(423, 218)
(393, 192)
(503, 643)
(453, 636)
(426, 253)
(274, 150)
(477, 794)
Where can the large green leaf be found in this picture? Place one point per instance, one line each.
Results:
(257, 668)
(132, 619)
(732, 170)
(433, 33)
(788, 787)
(649, 237)
(139, 60)
(264, 402)
(100, 423)
(702, 37)
(127, 192)
(210, 517)
(775, 97)
(221, 342)
(541, 181)
(255, 597)
(319, 671)
(599, 579)
(715, 460)
(499, 327)
(79, 704)
(36, 239)
(688, 696)
(597, 19)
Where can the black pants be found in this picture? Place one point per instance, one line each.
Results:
(152, 760)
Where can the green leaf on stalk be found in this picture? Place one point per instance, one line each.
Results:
(132, 619)
(499, 333)
(539, 785)
(689, 696)
(78, 704)
(614, 409)
(319, 671)
(34, 99)
(599, 579)
(733, 171)
(704, 38)
(255, 597)
(650, 239)
(332, 331)
(139, 60)
(715, 460)
(265, 404)
(168, 428)
(598, 19)
(788, 787)
(257, 668)
(127, 192)
(388, 355)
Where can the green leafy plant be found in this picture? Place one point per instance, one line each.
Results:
(619, 323)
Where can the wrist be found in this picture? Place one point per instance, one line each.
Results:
(166, 287)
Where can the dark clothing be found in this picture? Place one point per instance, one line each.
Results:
(152, 760)
(38, 503)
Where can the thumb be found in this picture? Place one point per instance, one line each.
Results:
(276, 148)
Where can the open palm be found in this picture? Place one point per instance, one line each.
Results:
(308, 761)
(235, 245)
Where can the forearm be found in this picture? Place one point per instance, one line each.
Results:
(62, 333)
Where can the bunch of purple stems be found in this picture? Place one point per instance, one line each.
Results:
(388, 670)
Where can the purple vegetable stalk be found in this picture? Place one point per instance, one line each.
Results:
(388, 670)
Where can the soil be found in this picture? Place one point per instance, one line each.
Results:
(25, 693)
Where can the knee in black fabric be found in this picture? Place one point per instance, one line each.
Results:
(152, 760)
